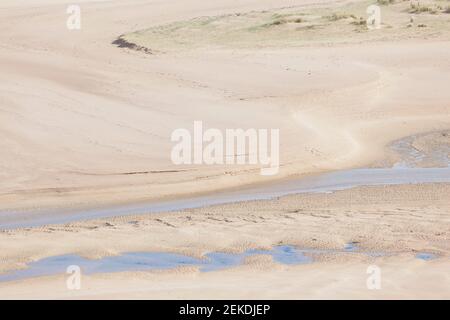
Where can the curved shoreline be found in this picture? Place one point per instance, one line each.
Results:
(402, 172)
(324, 183)
(408, 223)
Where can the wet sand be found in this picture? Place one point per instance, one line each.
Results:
(412, 167)
(398, 221)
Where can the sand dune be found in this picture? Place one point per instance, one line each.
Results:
(78, 113)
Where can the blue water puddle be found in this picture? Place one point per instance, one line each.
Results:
(351, 247)
(280, 254)
(213, 261)
(426, 256)
(412, 157)
(141, 261)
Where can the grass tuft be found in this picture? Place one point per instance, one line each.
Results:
(340, 16)
(359, 22)
(417, 8)
(385, 2)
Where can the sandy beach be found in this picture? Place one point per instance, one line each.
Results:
(86, 118)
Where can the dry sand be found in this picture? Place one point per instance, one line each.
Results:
(402, 278)
(79, 116)
(84, 122)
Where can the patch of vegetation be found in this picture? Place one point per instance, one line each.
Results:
(340, 16)
(290, 28)
(359, 22)
(282, 19)
(385, 2)
(122, 43)
(417, 8)
(279, 16)
(276, 22)
(289, 17)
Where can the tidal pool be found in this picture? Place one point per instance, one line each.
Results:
(141, 261)
(213, 261)
(426, 256)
